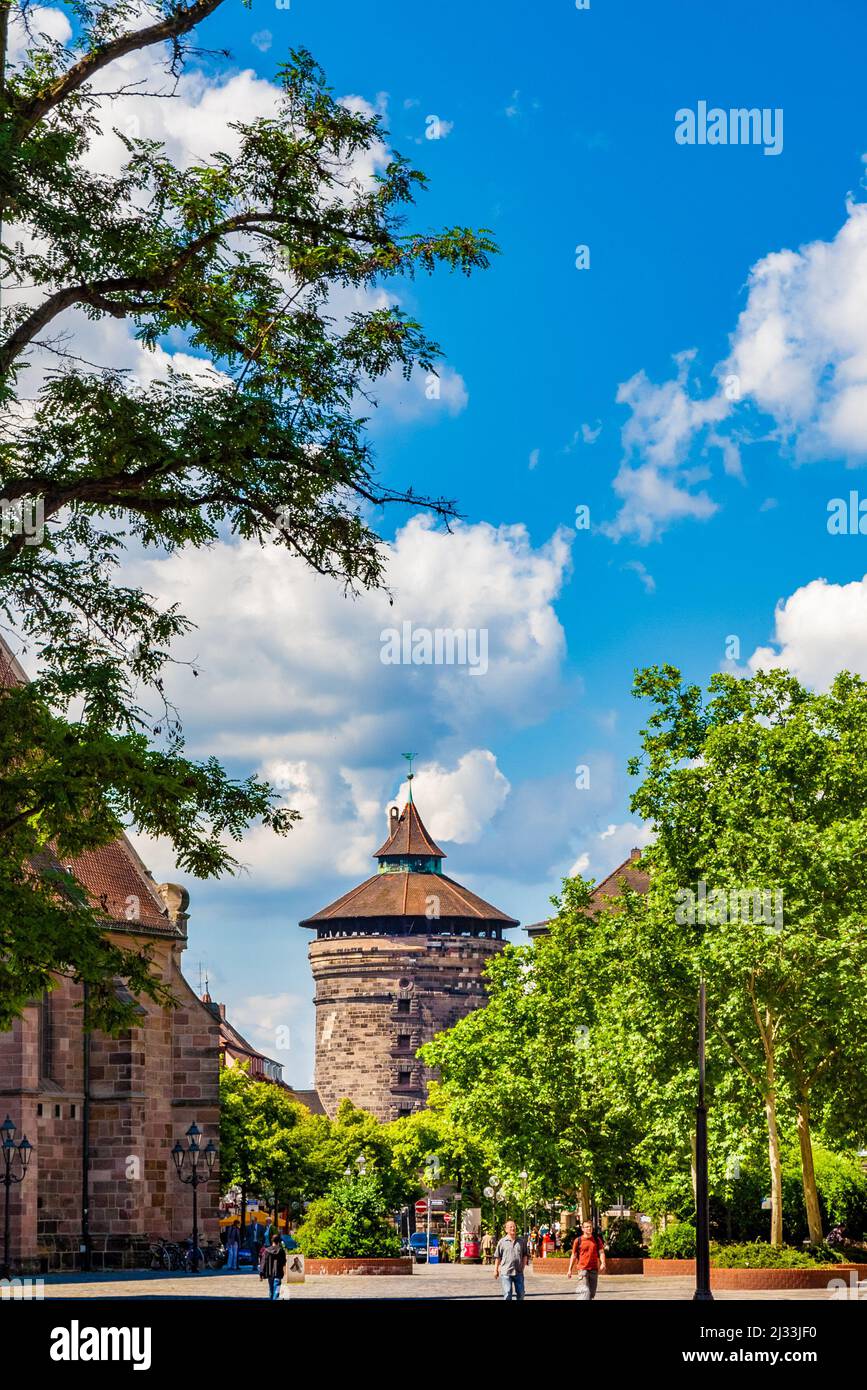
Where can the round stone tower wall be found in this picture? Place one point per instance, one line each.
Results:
(377, 1000)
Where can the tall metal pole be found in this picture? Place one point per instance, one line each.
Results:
(7, 1180)
(702, 1212)
(195, 1186)
(84, 1243)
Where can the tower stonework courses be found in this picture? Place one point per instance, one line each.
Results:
(394, 961)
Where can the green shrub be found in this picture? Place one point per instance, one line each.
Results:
(758, 1254)
(351, 1220)
(623, 1239)
(676, 1243)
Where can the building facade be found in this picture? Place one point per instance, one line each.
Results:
(396, 960)
(103, 1113)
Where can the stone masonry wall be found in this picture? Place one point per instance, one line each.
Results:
(377, 1000)
(147, 1087)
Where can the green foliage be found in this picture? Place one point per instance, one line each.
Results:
(675, 1243)
(239, 257)
(758, 1254)
(624, 1239)
(269, 1143)
(842, 1187)
(350, 1221)
(762, 787)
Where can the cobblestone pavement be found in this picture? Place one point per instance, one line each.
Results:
(466, 1282)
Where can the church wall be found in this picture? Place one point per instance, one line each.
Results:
(147, 1086)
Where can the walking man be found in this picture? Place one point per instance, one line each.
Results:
(232, 1247)
(274, 1265)
(589, 1252)
(510, 1263)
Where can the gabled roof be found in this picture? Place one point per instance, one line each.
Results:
(624, 875)
(114, 876)
(410, 895)
(410, 837)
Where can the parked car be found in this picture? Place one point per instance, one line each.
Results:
(418, 1247)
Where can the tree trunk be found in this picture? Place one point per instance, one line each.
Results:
(585, 1204)
(776, 1170)
(808, 1174)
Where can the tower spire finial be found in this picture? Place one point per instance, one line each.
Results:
(409, 776)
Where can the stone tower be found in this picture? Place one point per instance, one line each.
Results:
(396, 960)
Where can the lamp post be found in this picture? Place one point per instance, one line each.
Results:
(494, 1185)
(11, 1152)
(432, 1169)
(702, 1213)
(191, 1172)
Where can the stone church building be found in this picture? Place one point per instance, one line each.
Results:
(133, 1096)
(396, 960)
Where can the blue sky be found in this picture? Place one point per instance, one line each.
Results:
(562, 387)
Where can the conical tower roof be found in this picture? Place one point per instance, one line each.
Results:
(409, 836)
(410, 894)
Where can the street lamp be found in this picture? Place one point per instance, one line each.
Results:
(432, 1170)
(191, 1172)
(494, 1185)
(11, 1152)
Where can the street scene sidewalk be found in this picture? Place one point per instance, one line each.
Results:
(474, 1282)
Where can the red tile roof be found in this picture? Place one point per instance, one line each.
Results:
(113, 875)
(409, 895)
(624, 875)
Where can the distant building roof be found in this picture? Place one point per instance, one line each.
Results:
(311, 1100)
(114, 876)
(625, 873)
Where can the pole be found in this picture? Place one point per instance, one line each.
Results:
(7, 1183)
(195, 1185)
(702, 1212)
(84, 1244)
(428, 1255)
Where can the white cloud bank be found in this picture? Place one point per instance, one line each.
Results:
(819, 630)
(291, 679)
(798, 354)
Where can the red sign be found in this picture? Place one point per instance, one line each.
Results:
(421, 1208)
(447, 1216)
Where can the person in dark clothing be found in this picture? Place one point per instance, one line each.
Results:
(274, 1265)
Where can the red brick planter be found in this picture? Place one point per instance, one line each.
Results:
(816, 1278)
(666, 1269)
(365, 1265)
(558, 1264)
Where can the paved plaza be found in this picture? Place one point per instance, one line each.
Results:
(462, 1282)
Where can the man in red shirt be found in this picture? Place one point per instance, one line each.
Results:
(589, 1252)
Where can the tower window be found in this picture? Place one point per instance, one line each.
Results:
(46, 1035)
(403, 1006)
(403, 1041)
(403, 1078)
